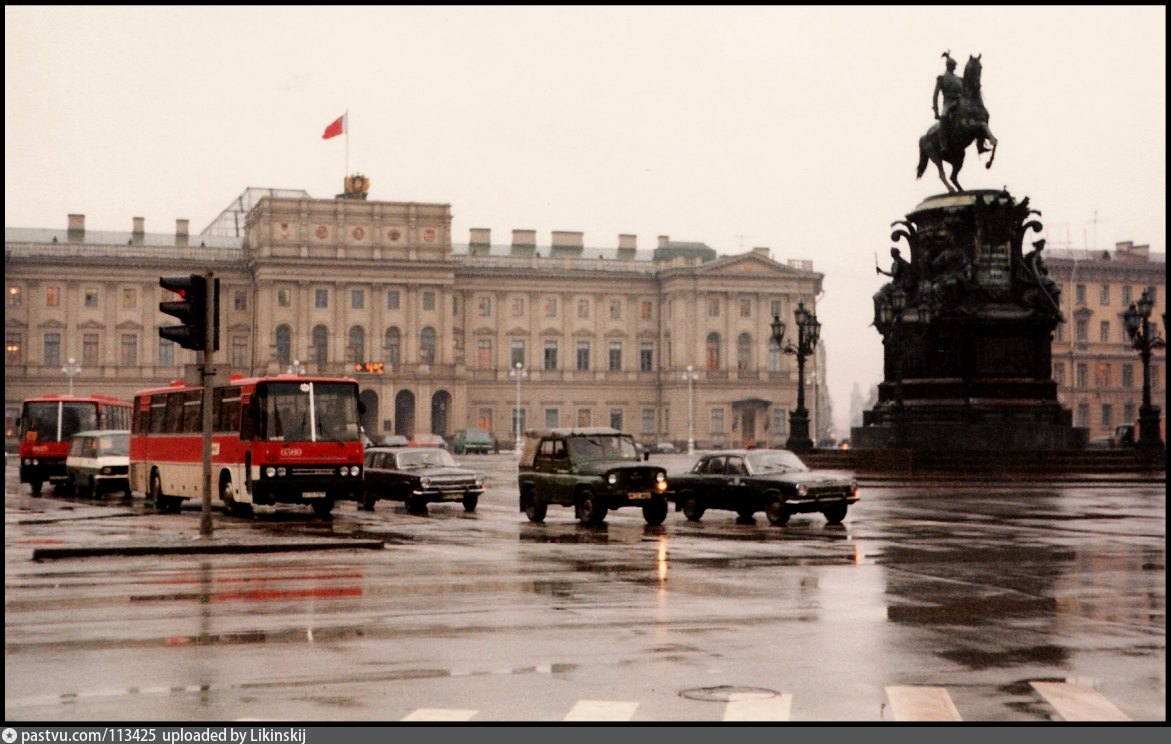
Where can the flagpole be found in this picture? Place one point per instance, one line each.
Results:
(346, 119)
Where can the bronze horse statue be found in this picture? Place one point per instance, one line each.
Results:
(967, 123)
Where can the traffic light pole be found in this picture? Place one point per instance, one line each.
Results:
(207, 374)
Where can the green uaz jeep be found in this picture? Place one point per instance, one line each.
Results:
(592, 469)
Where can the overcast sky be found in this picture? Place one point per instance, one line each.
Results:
(791, 128)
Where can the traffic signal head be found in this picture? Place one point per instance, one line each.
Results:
(191, 310)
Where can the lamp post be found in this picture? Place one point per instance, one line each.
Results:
(72, 368)
(296, 368)
(1145, 337)
(891, 316)
(690, 376)
(518, 371)
(808, 331)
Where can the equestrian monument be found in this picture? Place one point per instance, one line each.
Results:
(967, 321)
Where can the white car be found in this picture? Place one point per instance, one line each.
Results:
(99, 462)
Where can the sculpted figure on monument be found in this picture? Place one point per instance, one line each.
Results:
(962, 121)
(902, 276)
(951, 278)
(1040, 292)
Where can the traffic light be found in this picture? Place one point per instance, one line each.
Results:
(191, 310)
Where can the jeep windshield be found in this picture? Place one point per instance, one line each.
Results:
(601, 447)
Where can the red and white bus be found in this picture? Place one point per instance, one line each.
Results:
(48, 422)
(283, 439)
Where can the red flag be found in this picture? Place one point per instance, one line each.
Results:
(337, 127)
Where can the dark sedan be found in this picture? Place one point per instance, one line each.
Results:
(418, 476)
(773, 481)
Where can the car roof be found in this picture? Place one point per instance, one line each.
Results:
(101, 432)
(742, 452)
(571, 432)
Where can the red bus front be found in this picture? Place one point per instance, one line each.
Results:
(48, 422)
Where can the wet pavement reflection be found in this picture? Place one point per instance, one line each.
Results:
(976, 591)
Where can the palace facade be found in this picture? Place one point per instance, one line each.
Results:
(668, 344)
(1098, 372)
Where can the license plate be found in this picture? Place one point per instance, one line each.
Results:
(639, 495)
(314, 494)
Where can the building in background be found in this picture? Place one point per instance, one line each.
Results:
(1098, 372)
(432, 329)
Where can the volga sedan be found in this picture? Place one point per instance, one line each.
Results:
(774, 481)
(418, 476)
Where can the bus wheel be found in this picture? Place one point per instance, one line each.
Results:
(234, 507)
(35, 487)
(85, 488)
(164, 504)
(322, 507)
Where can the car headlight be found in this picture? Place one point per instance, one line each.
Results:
(281, 472)
(661, 477)
(479, 481)
(612, 478)
(270, 471)
(425, 482)
(802, 489)
(355, 470)
(106, 471)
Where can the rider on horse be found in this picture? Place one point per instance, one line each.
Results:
(951, 87)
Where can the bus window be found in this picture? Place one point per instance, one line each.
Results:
(77, 417)
(158, 413)
(39, 422)
(336, 412)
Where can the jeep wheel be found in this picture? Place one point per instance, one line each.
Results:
(655, 512)
(534, 508)
(778, 515)
(470, 502)
(835, 514)
(589, 509)
(691, 509)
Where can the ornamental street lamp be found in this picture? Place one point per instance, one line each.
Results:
(518, 371)
(1144, 336)
(890, 314)
(296, 368)
(808, 331)
(690, 376)
(72, 368)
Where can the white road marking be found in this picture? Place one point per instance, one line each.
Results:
(601, 710)
(1078, 702)
(749, 706)
(922, 704)
(440, 714)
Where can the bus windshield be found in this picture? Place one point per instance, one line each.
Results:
(308, 411)
(39, 422)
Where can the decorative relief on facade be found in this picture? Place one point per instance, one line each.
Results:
(358, 233)
(322, 232)
(394, 234)
(429, 234)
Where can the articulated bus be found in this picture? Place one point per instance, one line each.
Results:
(282, 439)
(48, 422)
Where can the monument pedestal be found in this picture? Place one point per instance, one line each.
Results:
(967, 362)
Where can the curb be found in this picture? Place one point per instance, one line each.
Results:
(41, 554)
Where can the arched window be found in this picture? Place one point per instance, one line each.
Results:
(357, 344)
(713, 351)
(320, 344)
(427, 346)
(393, 345)
(284, 345)
(744, 351)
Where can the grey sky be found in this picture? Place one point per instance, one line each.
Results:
(791, 128)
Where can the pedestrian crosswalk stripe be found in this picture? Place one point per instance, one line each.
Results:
(755, 707)
(922, 704)
(601, 710)
(440, 714)
(1078, 702)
